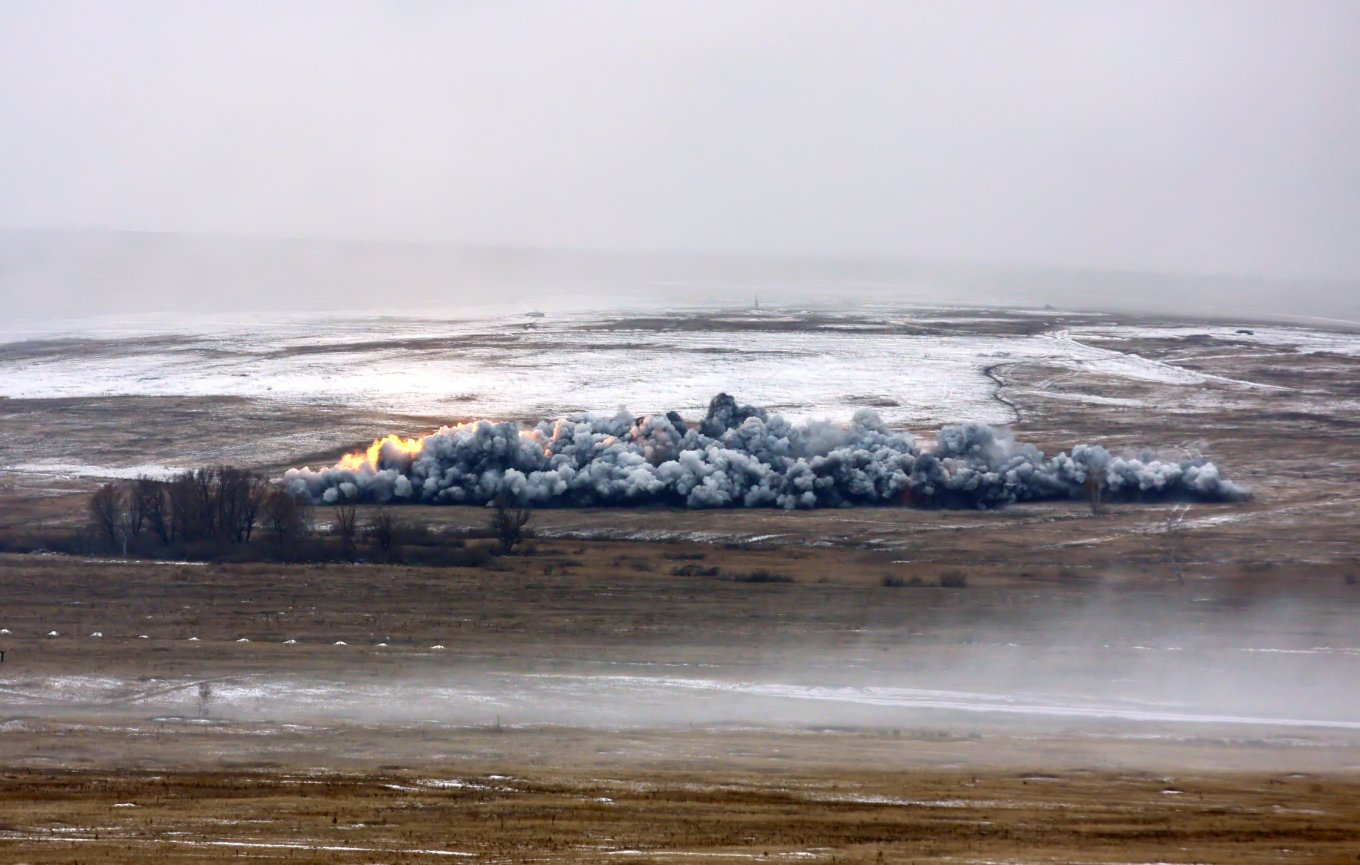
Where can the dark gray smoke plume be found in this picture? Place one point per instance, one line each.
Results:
(739, 456)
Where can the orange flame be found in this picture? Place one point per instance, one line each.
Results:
(412, 447)
(369, 459)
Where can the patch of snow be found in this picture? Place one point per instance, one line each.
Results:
(61, 469)
(1296, 339)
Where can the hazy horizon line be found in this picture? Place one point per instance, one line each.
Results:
(714, 255)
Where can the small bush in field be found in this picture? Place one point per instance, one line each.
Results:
(694, 571)
(892, 582)
(761, 576)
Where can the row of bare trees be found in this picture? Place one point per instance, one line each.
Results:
(508, 525)
(206, 511)
(221, 505)
(381, 531)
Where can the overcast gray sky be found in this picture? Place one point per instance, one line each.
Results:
(1191, 136)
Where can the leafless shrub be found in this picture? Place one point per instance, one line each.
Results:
(892, 582)
(508, 519)
(695, 571)
(382, 533)
(346, 527)
(469, 557)
(420, 534)
(761, 576)
(285, 515)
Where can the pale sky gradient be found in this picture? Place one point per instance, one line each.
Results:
(1214, 137)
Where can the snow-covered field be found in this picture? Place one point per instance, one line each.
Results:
(917, 367)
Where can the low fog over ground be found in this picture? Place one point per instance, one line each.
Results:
(67, 274)
(157, 155)
(1004, 659)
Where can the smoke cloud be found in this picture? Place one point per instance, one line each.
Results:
(741, 456)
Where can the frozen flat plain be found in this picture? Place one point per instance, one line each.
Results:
(917, 367)
(494, 367)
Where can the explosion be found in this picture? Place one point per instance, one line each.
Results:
(741, 456)
(387, 449)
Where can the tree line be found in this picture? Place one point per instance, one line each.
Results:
(229, 512)
(219, 506)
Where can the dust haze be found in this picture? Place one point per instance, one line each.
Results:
(1128, 665)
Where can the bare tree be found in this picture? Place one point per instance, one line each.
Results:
(221, 503)
(230, 495)
(256, 494)
(204, 484)
(177, 507)
(148, 505)
(106, 511)
(239, 494)
(346, 527)
(188, 507)
(382, 532)
(285, 515)
(508, 519)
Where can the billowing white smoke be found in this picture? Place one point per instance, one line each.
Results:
(739, 456)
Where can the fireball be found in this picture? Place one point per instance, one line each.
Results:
(393, 447)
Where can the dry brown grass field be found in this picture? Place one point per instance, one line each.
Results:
(867, 816)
